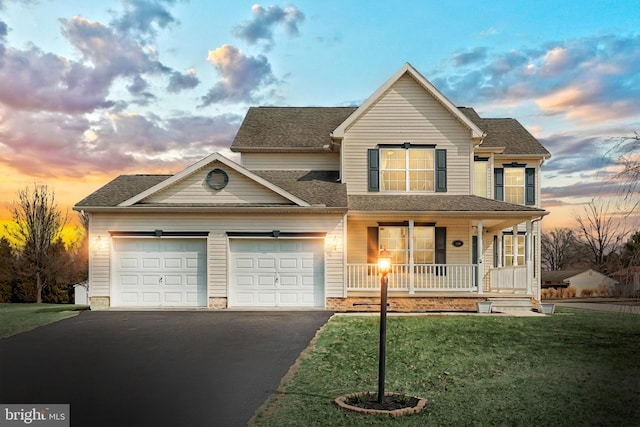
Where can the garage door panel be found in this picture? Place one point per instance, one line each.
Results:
(290, 280)
(244, 280)
(193, 263)
(151, 263)
(244, 262)
(128, 263)
(172, 263)
(266, 280)
(151, 297)
(160, 272)
(129, 280)
(267, 263)
(172, 280)
(277, 272)
(172, 297)
(266, 299)
(288, 263)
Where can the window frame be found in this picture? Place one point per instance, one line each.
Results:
(410, 180)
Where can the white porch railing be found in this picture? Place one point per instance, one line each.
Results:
(508, 278)
(437, 277)
(424, 277)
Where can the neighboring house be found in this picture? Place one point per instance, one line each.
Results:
(580, 279)
(318, 192)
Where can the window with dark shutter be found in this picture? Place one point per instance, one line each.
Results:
(441, 170)
(498, 179)
(530, 186)
(373, 159)
(441, 250)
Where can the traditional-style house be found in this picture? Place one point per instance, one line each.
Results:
(318, 192)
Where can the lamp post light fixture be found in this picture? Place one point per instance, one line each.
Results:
(384, 267)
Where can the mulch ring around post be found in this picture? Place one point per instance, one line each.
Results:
(394, 404)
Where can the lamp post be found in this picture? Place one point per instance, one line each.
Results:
(384, 266)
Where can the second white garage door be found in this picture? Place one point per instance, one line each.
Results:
(276, 273)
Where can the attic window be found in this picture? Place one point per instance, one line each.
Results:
(217, 179)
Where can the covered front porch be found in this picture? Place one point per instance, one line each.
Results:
(447, 255)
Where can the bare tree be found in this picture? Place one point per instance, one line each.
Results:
(37, 225)
(558, 248)
(600, 231)
(628, 151)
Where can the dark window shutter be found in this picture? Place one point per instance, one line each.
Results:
(441, 170)
(372, 245)
(496, 254)
(530, 186)
(441, 245)
(441, 250)
(498, 178)
(373, 159)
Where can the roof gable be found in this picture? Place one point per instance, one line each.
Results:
(407, 69)
(161, 192)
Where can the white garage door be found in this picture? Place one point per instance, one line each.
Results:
(160, 272)
(277, 273)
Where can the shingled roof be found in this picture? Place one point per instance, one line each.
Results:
(120, 189)
(435, 203)
(289, 128)
(507, 133)
(269, 129)
(314, 187)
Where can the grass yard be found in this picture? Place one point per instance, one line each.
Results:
(574, 368)
(17, 318)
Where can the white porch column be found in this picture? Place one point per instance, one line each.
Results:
(528, 246)
(480, 258)
(412, 271)
(514, 244)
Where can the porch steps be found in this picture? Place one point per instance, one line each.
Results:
(506, 305)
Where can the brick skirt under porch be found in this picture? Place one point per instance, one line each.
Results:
(404, 304)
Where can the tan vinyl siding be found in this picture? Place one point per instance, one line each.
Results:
(194, 189)
(217, 242)
(291, 161)
(407, 113)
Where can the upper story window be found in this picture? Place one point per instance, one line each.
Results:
(515, 183)
(407, 168)
(480, 176)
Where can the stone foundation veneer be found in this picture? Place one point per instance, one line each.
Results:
(217, 303)
(404, 304)
(99, 303)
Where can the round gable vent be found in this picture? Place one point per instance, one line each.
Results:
(217, 179)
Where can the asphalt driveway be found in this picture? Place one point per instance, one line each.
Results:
(156, 368)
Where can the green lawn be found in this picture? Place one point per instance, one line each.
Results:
(16, 318)
(574, 368)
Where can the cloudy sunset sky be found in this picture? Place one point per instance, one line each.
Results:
(93, 89)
